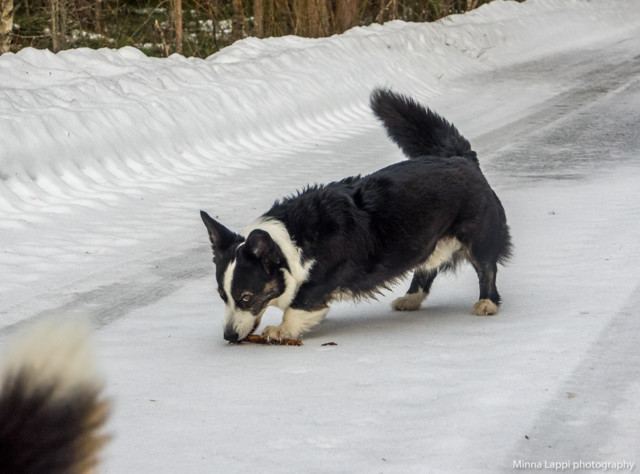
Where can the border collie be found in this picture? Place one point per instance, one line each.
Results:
(354, 237)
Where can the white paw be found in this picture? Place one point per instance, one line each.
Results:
(484, 308)
(277, 333)
(408, 302)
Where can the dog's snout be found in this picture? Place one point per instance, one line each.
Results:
(230, 335)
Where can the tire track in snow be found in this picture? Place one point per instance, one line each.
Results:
(572, 136)
(597, 80)
(110, 295)
(588, 418)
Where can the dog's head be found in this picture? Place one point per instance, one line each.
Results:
(248, 275)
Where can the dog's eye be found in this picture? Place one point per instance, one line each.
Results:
(246, 297)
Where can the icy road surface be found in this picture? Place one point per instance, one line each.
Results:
(107, 156)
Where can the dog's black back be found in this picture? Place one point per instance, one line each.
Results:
(364, 232)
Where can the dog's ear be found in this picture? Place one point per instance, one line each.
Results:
(261, 246)
(221, 237)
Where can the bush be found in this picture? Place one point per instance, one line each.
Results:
(203, 26)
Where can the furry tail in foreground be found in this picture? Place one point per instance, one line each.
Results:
(51, 406)
(417, 130)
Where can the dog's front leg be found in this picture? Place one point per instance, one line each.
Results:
(295, 322)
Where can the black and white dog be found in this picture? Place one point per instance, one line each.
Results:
(354, 237)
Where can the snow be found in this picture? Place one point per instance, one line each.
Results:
(106, 158)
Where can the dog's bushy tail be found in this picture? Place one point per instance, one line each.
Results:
(417, 130)
(51, 406)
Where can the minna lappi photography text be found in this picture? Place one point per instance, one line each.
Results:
(570, 465)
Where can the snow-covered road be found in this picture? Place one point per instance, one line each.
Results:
(106, 158)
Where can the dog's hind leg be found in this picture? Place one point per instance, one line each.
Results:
(418, 291)
(489, 298)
